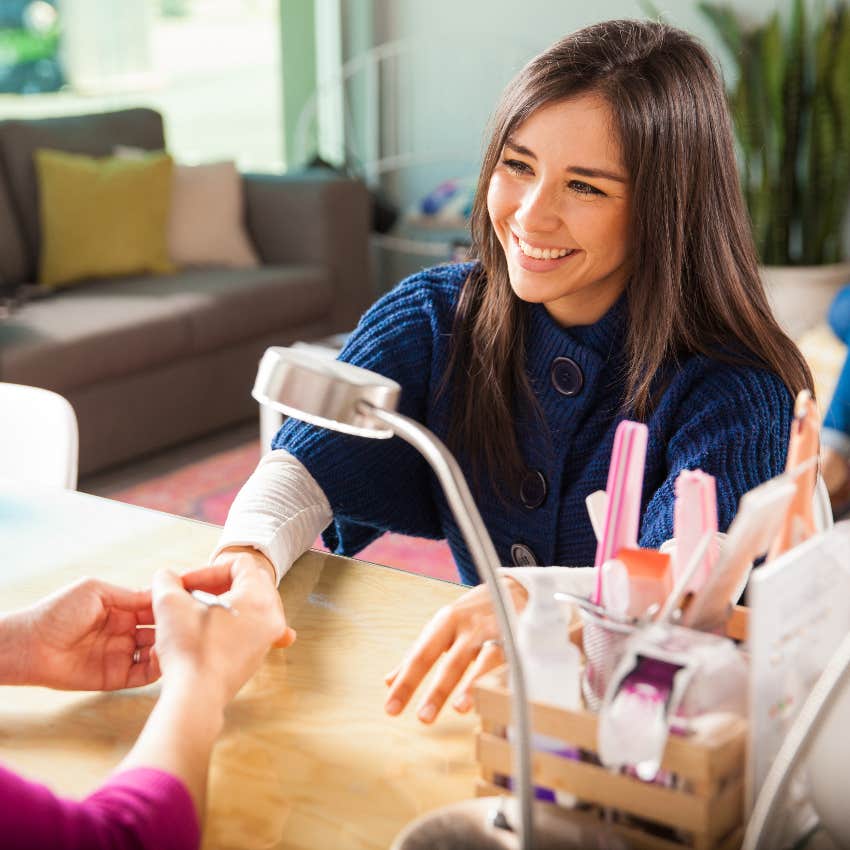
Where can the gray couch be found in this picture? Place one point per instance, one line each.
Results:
(152, 361)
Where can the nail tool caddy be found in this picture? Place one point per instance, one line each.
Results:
(659, 750)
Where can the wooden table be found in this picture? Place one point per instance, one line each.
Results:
(308, 759)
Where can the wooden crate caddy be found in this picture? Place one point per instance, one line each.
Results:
(703, 811)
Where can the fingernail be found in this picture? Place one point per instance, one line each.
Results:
(393, 706)
(427, 712)
(463, 703)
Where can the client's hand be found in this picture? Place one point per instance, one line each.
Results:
(211, 647)
(84, 637)
(235, 563)
(466, 631)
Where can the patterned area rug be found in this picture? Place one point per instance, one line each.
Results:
(206, 489)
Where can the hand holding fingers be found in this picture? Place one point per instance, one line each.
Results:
(144, 667)
(236, 578)
(210, 643)
(82, 637)
(218, 577)
(215, 579)
(251, 589)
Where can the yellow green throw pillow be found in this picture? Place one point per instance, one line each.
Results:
(102, 217)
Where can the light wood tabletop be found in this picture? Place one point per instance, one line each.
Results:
(308, 759)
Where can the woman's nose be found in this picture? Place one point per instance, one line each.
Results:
(538, 210)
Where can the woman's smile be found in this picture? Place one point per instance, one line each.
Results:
(535, 258)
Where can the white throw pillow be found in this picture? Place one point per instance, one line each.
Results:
(205, 224)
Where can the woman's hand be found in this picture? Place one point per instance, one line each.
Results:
(232, 563)
(84, 637)
(466, 631)
(215, 650)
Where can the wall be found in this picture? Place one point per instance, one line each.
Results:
(475, 46)
(461, 55)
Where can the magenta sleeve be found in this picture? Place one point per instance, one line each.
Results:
(139, 809)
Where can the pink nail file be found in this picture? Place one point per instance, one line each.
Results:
(625, 484)
(801, 463)
(694, 514)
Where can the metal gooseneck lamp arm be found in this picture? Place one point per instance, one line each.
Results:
(486, 560)
(795, 748)
(346, 398)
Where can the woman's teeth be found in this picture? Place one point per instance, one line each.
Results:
(543, 253)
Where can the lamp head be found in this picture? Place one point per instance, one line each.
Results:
(324, 392)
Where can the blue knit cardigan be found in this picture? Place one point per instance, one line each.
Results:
(733, 422)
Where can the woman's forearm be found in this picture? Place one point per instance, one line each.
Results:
(179, 736)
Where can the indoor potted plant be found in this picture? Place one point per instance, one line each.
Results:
(790, 104)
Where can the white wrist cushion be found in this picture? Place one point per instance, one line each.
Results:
(279, 511)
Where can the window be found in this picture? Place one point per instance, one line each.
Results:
(211, 67)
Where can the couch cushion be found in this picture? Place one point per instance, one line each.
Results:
(102, 216)
(232, 305)
(95, 135)
(109, 329)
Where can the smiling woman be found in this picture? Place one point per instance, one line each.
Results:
(563, 226)
(615, 278)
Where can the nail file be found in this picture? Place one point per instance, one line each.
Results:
(760, 513)
(803, 447)
(694, 515)
(624, 489)
(685, 579)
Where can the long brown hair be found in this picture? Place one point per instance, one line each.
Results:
(695, 286)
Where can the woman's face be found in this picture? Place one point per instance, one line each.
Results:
(559, 203)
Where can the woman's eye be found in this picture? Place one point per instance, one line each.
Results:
(584, 188)
(516, 166)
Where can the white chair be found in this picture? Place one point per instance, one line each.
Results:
(38, 437)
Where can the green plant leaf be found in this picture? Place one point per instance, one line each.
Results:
(790, 107)
(726, 24)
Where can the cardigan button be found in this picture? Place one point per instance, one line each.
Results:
(522, 556)
(566, 376)
(533, 489)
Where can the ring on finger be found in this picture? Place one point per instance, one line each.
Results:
(490, 643)
(137, 655)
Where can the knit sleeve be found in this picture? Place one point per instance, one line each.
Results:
(375, 485)
(735, 426)
(142, 809)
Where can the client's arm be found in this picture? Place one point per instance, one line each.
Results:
(156, 797)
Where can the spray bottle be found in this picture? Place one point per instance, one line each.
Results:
(552, 667)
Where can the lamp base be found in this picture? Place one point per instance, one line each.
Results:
(468, 825)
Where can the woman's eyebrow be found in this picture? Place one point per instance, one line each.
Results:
(595, 172)
(581, 170)
(520, 149)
